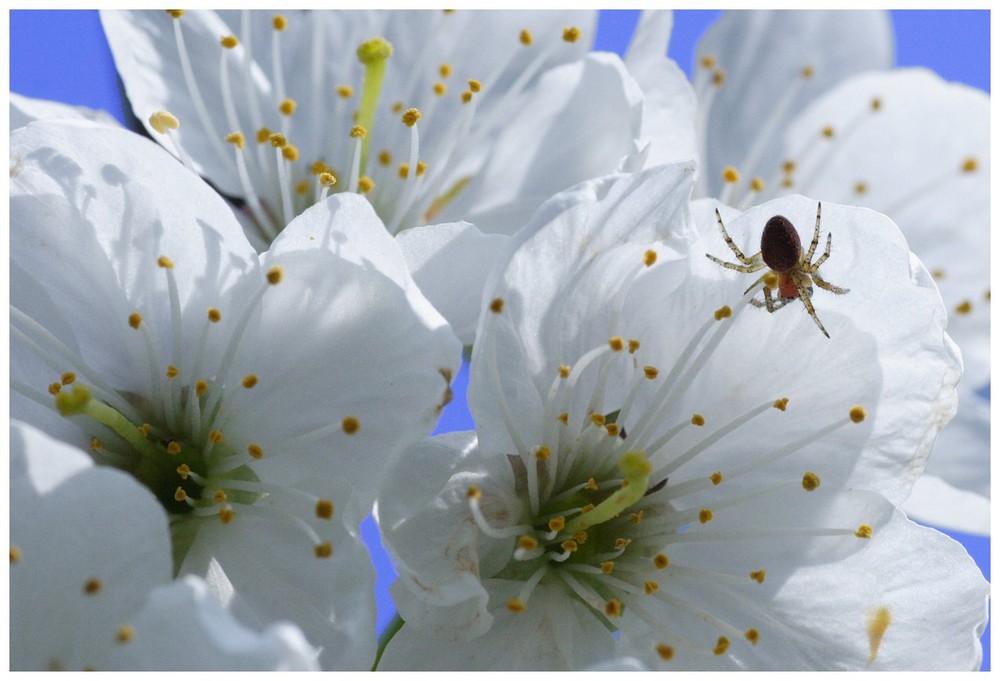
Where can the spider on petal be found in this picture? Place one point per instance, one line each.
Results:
(790, 271)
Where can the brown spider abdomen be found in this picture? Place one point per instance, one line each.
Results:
(779, 245)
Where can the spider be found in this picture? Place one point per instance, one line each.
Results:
(790, 271)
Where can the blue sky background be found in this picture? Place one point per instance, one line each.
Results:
(62, 55)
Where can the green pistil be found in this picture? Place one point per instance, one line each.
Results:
(373, 54)
(636, 470)
(79, 401)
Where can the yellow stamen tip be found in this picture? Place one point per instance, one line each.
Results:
(721, 646)
(543, 453)
(716, 478)
(757, 184)
(571, 34)
(324, 509)
(810, 481)
(365, 184)
(473, 492)
(665, 652)
(175, 13)
(161, 121)
(350, 425)
(67, 378)
(125, 634)
(616, 343)
(650, 372)
(165, 262)
(633, 345)
(724, 312)
(290, 152)
(226, 515)
(279, 22)
(237, 139)
(277, 140)
(970, 165)
(496, 305)
(613, 608)
(758, 576)
(752, 635)
(660, 561)
(263, 135)
(516, 605)
(180, 494)
(525, 37)
(864, 532)
(557, 524)
(274, 275)
(249, 381)
(858, 414)
(698, 420)
(173, 448)
(229, 42)
(781, 404)
(475, 85)
(255, 450)
(323, 550)
(288, 106)
(963, 308)
(410, 117)
(358, 131)
(730, 175)
(607, 567)
(374, 50)
(705, 515)
(344, 91)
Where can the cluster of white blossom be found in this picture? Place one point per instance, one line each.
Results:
(229, 346)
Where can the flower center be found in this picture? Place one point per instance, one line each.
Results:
(348, 139)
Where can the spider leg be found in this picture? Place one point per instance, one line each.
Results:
(822, 259)
(732, 244)
(815, 241)
(827, 286)
(750, 266)
(761, 279)
(804, 297)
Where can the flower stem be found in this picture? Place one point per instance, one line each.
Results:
(394, 626)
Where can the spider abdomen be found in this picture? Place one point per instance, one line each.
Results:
(780, 246)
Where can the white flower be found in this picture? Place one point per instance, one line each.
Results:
(24, 110)
(657, 457)
(258, 397)
(784, 107)
(90, 577)
(474, 116)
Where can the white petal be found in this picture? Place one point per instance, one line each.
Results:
(24, 110)
(182, 627)
(78, 576)
(450, 264)
(540, 149)
(763, 54)
(934, 502)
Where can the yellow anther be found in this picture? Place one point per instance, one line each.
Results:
(858, 414)
(279, 22)
(770, 280)
(184, 471)
(543, 453)
(965, 307)
(92, 586)
(613, 429)
(716, 478)
(327, 179)
(173, 448)
(757, 184)
(172, 371)
(403, 171)
(705, 515)
(229, 42)
(237, 139)
(752, 635)
(15, 554)
(302, 187)
(175, 13)
(650, 372)
(564, 370)
(580, 537)
(421, 168)
(718, 77)
(730, 175)
(810, 481)
(358, 131)
(96, 444)
(165, 262)
(525, 37)
(365, 184)
(636, 516)
(226, 514)
(665, 652)
(807, 72)
(397, 107)
(564, 418)
(125, 634)
(67, 378)
(660, 561)
(324, 509)
(597, 419)
(466, 97)
(161, 121)
(255, 450)
(860, 188)
(633, 345)
(827, 131)
(200, 387)
(527, 542)
(496, 305)
(55, 388)
(864, 532)
(721, 646)
(986, 296)
(277, 140)
(374, 50)
(607, 567)
(938, 273)
(410, 117)
(878, 622)
(249, 381)
(144, 429)
(263, 135)
(698, 420)
(876, 104)
(384, 157)
(651, 587)
(274, 275)
(707, 62)
(724, 312)
(219, 497)
(616, 343)
(970, 165)
(758, 576)
(444, 70)
(557, 524)
(440, 89)
(288, 106)
(571, 34)
(475, 85)
(621, 543)
(350, 425)
(781, 404)
(180, 494)
(516, 605)
(788, 167)
(323, 549)
(592, 485)
(215, 436)
(290, 152)
(613, 608)
(569, 545)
